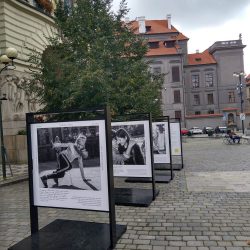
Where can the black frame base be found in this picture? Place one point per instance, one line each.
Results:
(134, 196)
(69, 234)
(167, 166)
(159, 178)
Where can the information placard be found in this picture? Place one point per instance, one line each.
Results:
(70, 165)
(131, 149)
(161, 142)
(175, 138)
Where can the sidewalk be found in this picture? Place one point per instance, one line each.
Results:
(19, 173)
(205, 207)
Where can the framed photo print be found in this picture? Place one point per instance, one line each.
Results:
(160, 135)
(131, 149)
(70, 165)
(175, 138)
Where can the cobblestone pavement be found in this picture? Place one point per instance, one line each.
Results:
(14, 174)
(177, 220)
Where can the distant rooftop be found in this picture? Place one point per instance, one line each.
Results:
(220, 45)
(201, 58)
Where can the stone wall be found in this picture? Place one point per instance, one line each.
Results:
(16, 148)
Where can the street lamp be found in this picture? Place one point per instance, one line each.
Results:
(8, 62)
(239, 87)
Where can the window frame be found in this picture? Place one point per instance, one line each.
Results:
(195, 80)
(178, 116)
(209, 79)
(231, 98)
(177, 100)
(208, 99)
(197, 101)
(175, 74)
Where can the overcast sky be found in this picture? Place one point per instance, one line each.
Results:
(203, 22)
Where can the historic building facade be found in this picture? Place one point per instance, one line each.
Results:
(198, 88)
(24, 25)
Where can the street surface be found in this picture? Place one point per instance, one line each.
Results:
(206, 206)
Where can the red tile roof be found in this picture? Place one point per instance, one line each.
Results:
(158, 27)
(161, 50)
(201, 58)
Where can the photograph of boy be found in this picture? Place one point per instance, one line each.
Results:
(69, 158)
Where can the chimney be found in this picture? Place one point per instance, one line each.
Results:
(126, 19)
(142, 26)
(169, 21)
(197, 51)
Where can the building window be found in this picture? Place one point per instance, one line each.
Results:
(209, 80)
(169, 44)
(196, 99)
(197, 112)
(153, 45)
(177, 114)
(248, 93)
(210, 111)
(176, 74)
(231, 96)
(157, 70)
(148, 28)
(177, 96)
(196, 81)
(210, 99)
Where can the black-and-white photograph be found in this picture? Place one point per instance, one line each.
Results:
(69, 157)
(159, 140)
(160, 136)
(70, 164)
(131, 148)
(175, 138)
(128, 144)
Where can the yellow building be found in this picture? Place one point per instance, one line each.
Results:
(23, 24)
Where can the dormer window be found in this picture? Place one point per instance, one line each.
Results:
(169, 44)
(198, 59)
(148, 28)
(153, 45)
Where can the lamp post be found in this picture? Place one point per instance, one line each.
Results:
(239, 88)
(8, 61)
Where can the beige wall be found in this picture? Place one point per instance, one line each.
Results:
(22, 27)
(16, 148)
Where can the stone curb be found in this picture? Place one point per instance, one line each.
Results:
(13, 180)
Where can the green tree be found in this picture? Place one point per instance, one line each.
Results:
(94, 59)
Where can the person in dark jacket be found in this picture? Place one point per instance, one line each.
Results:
(129, 148)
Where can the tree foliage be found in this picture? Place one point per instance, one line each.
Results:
(95, 59)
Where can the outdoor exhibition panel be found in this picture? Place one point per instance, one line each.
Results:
(161, 151)
(70, 155)
(132, 157)
(176, 146)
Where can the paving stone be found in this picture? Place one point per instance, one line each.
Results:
(179, 219)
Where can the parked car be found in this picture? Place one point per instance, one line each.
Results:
(195, 130)
(207, 130)
(184, 131)
(223, 130)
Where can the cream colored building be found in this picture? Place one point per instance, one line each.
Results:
(22, 25)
